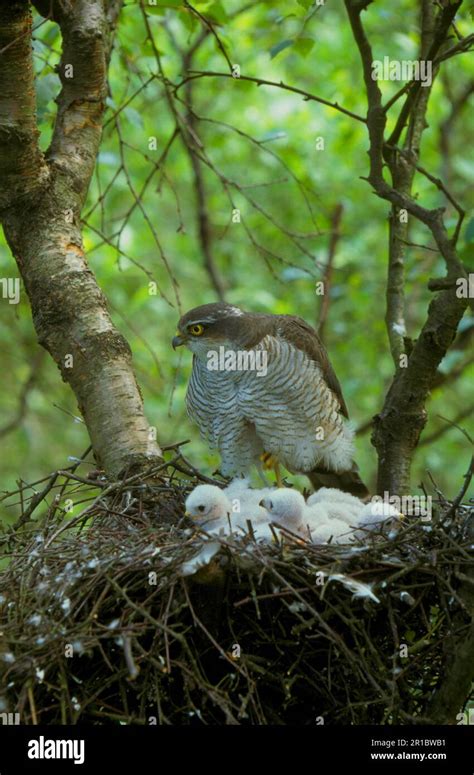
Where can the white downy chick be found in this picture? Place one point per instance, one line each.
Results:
(214, 509)
(209, 507)
(339, 505)
(324, 523)
(333, 531)
(288, 508)
(334, 496)
(376, 514)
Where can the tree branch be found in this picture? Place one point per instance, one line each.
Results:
(23, 169)
(81, 103)
(398, 426)
(461, 415)
(444, 21)
(189, 140)
(402, 168)
(69, 310)
(262, 82)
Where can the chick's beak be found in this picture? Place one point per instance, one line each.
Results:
(177, 341)
(187, 513)
(262, 503)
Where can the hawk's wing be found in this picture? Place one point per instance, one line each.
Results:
(304, 337)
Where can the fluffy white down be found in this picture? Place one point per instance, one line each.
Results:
(333, 531)
(332, 495)
(246, 501)
(329, 514)
(288, 508)
(212, 508)
(348, 514)
(375, 514)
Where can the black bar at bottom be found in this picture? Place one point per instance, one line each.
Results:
(151, 749)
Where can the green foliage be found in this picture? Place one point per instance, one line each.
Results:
(259, 155)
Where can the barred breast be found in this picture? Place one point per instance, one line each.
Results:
(289, 411)
(295, 413)
(212, 402)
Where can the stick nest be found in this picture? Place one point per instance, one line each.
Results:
(99, 624)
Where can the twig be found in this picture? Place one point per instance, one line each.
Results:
(307, 96)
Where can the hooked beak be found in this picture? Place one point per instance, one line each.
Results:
(262, 503)
(177, 341)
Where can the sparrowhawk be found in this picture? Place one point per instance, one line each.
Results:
(263, 384)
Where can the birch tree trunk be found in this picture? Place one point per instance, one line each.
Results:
(41, 198)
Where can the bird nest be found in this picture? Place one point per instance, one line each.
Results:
(107, 617)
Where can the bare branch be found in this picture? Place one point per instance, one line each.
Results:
(213, 32)
(398, 426)
(204, 227)
(262, 82)
(461, 415)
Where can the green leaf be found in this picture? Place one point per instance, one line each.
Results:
(280, 47)
(304, 46)
(189, 20)
(216, 12)
(305, 3)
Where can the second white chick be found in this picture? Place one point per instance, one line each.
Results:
(338, 504)
(334, 496)
(288, 508)
(376, 514)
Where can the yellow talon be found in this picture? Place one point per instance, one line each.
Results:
(270, 462)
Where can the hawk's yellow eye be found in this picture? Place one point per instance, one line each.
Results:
(196, 330)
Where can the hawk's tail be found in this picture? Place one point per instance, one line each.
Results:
(347, 481)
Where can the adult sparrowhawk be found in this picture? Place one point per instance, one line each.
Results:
(263, 385)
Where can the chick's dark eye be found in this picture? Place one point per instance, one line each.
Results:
(270, 505)
(201, 508)
(196, 330)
